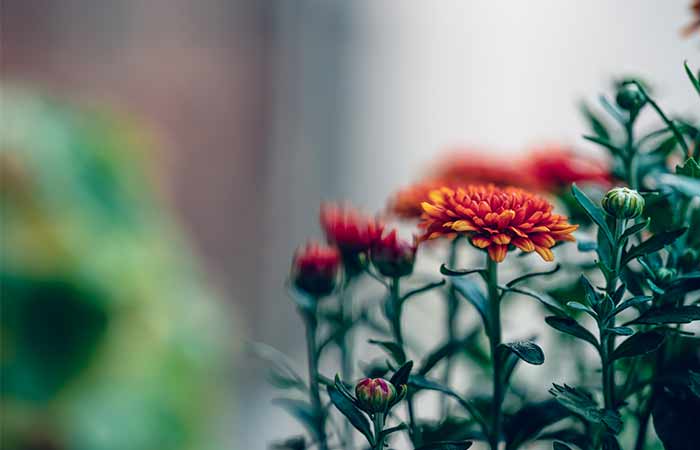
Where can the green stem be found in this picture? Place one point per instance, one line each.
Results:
(494, 342)
(347, 347)
(452, 313)
(378, 428)
(314, 393)
(395, 319)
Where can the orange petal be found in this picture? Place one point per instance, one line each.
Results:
(432, 210)
(501, 239)
(542, 239)
(463, 225)
(545, 253)
(524, 244)
(498, 252)
(481, 242)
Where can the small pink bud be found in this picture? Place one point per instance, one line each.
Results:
(375, 395)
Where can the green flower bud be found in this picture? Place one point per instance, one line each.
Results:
(375, 395)
(630, 98)
(623, 203)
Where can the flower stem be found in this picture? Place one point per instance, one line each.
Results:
(452, 313)
(378, 428)
(494, 342)
(347, 347)
(395, 319)
(314, 393)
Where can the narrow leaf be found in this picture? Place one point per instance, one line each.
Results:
(401, 376)
(639, 344)
(594, 212)
(357, 418)
(680, 314)
(692, 77)
(653, 244)
(570, 326)
(392, 348)
(470, 291)
(560, 446)
(522, 278)
(458, 272)
(420, 382)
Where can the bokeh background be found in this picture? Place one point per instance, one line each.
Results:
(160, 160)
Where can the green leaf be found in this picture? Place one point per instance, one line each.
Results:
(528, 351)
(610, 442)
(639, 344)
(582, 403)
(653, 244)
(690, 168)
(634, 229)
(549, 303)
(400, 427)
(630, 302)
(392, 348)
(570, 326)
(621, 331)
(471, 292)
(615, 150)
(357, 418)
(282, 374)
(447, 445)
(679, 314)
(401, 376)
(694, 383)
(690, 187)
(560, 446)
(586, 246)
(526, 424)
(594, 212)
(444, 351)
(589, 291)
(692, 77)
(459, 272)
(527, 276)
(581, 307)
(596, 124)
(420, 290)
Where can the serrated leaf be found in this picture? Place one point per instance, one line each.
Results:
(392, 348)
(474, 295)
(528, 351)
(357, 418)
(447, 445)
(594, 212)
(569, 326)
(639, 344)
(653, 244)
(657, 316)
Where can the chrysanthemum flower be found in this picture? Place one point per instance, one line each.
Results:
(315, 268)
(495, 218)
(472, 167)
(556, 168)
(406, 203)
(393, 257)
(348, 229)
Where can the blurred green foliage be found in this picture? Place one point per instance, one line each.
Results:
(110, 338)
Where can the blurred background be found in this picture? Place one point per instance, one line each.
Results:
(161, 159)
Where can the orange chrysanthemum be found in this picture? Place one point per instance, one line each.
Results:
(495, 218)
(473, 167)
(555, 168)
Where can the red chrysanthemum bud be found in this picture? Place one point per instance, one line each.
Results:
(348, 229)
(315, 269)
(375, 395)
(392, 256)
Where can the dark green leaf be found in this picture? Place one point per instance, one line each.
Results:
(528, 351)
(582, 403)
(357, 418)
(570, 326)
(634, 229)
(447, 445)
(694, 384)
(690, 168)
(680, 314)
(444, 351)
(594, 212)
(543, 298)
(693, 78)
(621, 331)
(595, 123)
(527, 276)
(559, 446)
(458, 272)
(610, 442)
(392, 348)
(420, 290)
(401, 376)
(605, 143)
(639, 344)
(400, 427)
(591, 295)
(530, 420)
(470, 291)
(653, 244)
(630, 302)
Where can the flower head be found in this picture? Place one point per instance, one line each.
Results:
(348, 229)
(393, 257)
(471, 167)
(315, 268)
(375, 395)
(556, 168)
(623, 203)
(495, 218)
